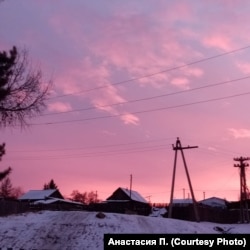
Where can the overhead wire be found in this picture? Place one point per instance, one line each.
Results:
(143, 111)
(150, 98)
(153, 74)
(95, 146)
(96, 154)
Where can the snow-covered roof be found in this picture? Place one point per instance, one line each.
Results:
(49, 201)
(214, 202)
(135, 196)
(116, 201)
(53, 200)
(37, 194)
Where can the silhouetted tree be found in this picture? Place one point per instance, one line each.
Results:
(6, 188)
(92, 197)
(22, 90)
(50, 185)
(85, 197)
(8, 191)
(79, 197)
(7, 171)
(17, 192)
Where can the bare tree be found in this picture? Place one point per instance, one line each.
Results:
(17, 192)
(92, 197)
(7, 171)
(8, 191)
(22, 90)
(79, 197)
(85, 197)
(6, 188)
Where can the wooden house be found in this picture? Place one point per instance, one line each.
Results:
(36, 195)
(128, 201)
(50, 199)
(214, 202)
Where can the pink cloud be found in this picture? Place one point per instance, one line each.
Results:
(81, 75)
(129, 40)
(59, 106)
(212, 149)
(180, 82)
(108, 95)
(244, 67)
(193, 71)
(239, 133)
(90, 76)
(130, 119)
(218, 41)
(135, 46)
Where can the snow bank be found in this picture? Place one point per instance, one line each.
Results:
(83, 230)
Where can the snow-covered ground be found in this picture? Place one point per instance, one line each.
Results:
(83, 230)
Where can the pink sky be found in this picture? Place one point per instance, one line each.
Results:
(88, 47)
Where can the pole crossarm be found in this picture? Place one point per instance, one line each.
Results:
(178, 146)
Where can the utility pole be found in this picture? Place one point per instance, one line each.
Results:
(148, 197)
(177, 148)
(130, 189)
(244, 214)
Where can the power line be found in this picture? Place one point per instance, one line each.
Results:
(153, 74)
(94, 147)
(150, 98)
(144, 111)
(96, 154)
(108, 152)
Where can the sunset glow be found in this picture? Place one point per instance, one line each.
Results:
(129, 77)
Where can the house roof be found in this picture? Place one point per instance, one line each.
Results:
(38, 194)
(135, 196)
(214, 202)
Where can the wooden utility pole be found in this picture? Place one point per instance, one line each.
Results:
(177, 148)
(244, 214)
(130, 188)
(149, 196)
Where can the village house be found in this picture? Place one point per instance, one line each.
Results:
(50, 199)
(128, 201)
(214, 202)
(37, 195)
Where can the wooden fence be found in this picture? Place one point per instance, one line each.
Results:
(8, 207)
(210, 214)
